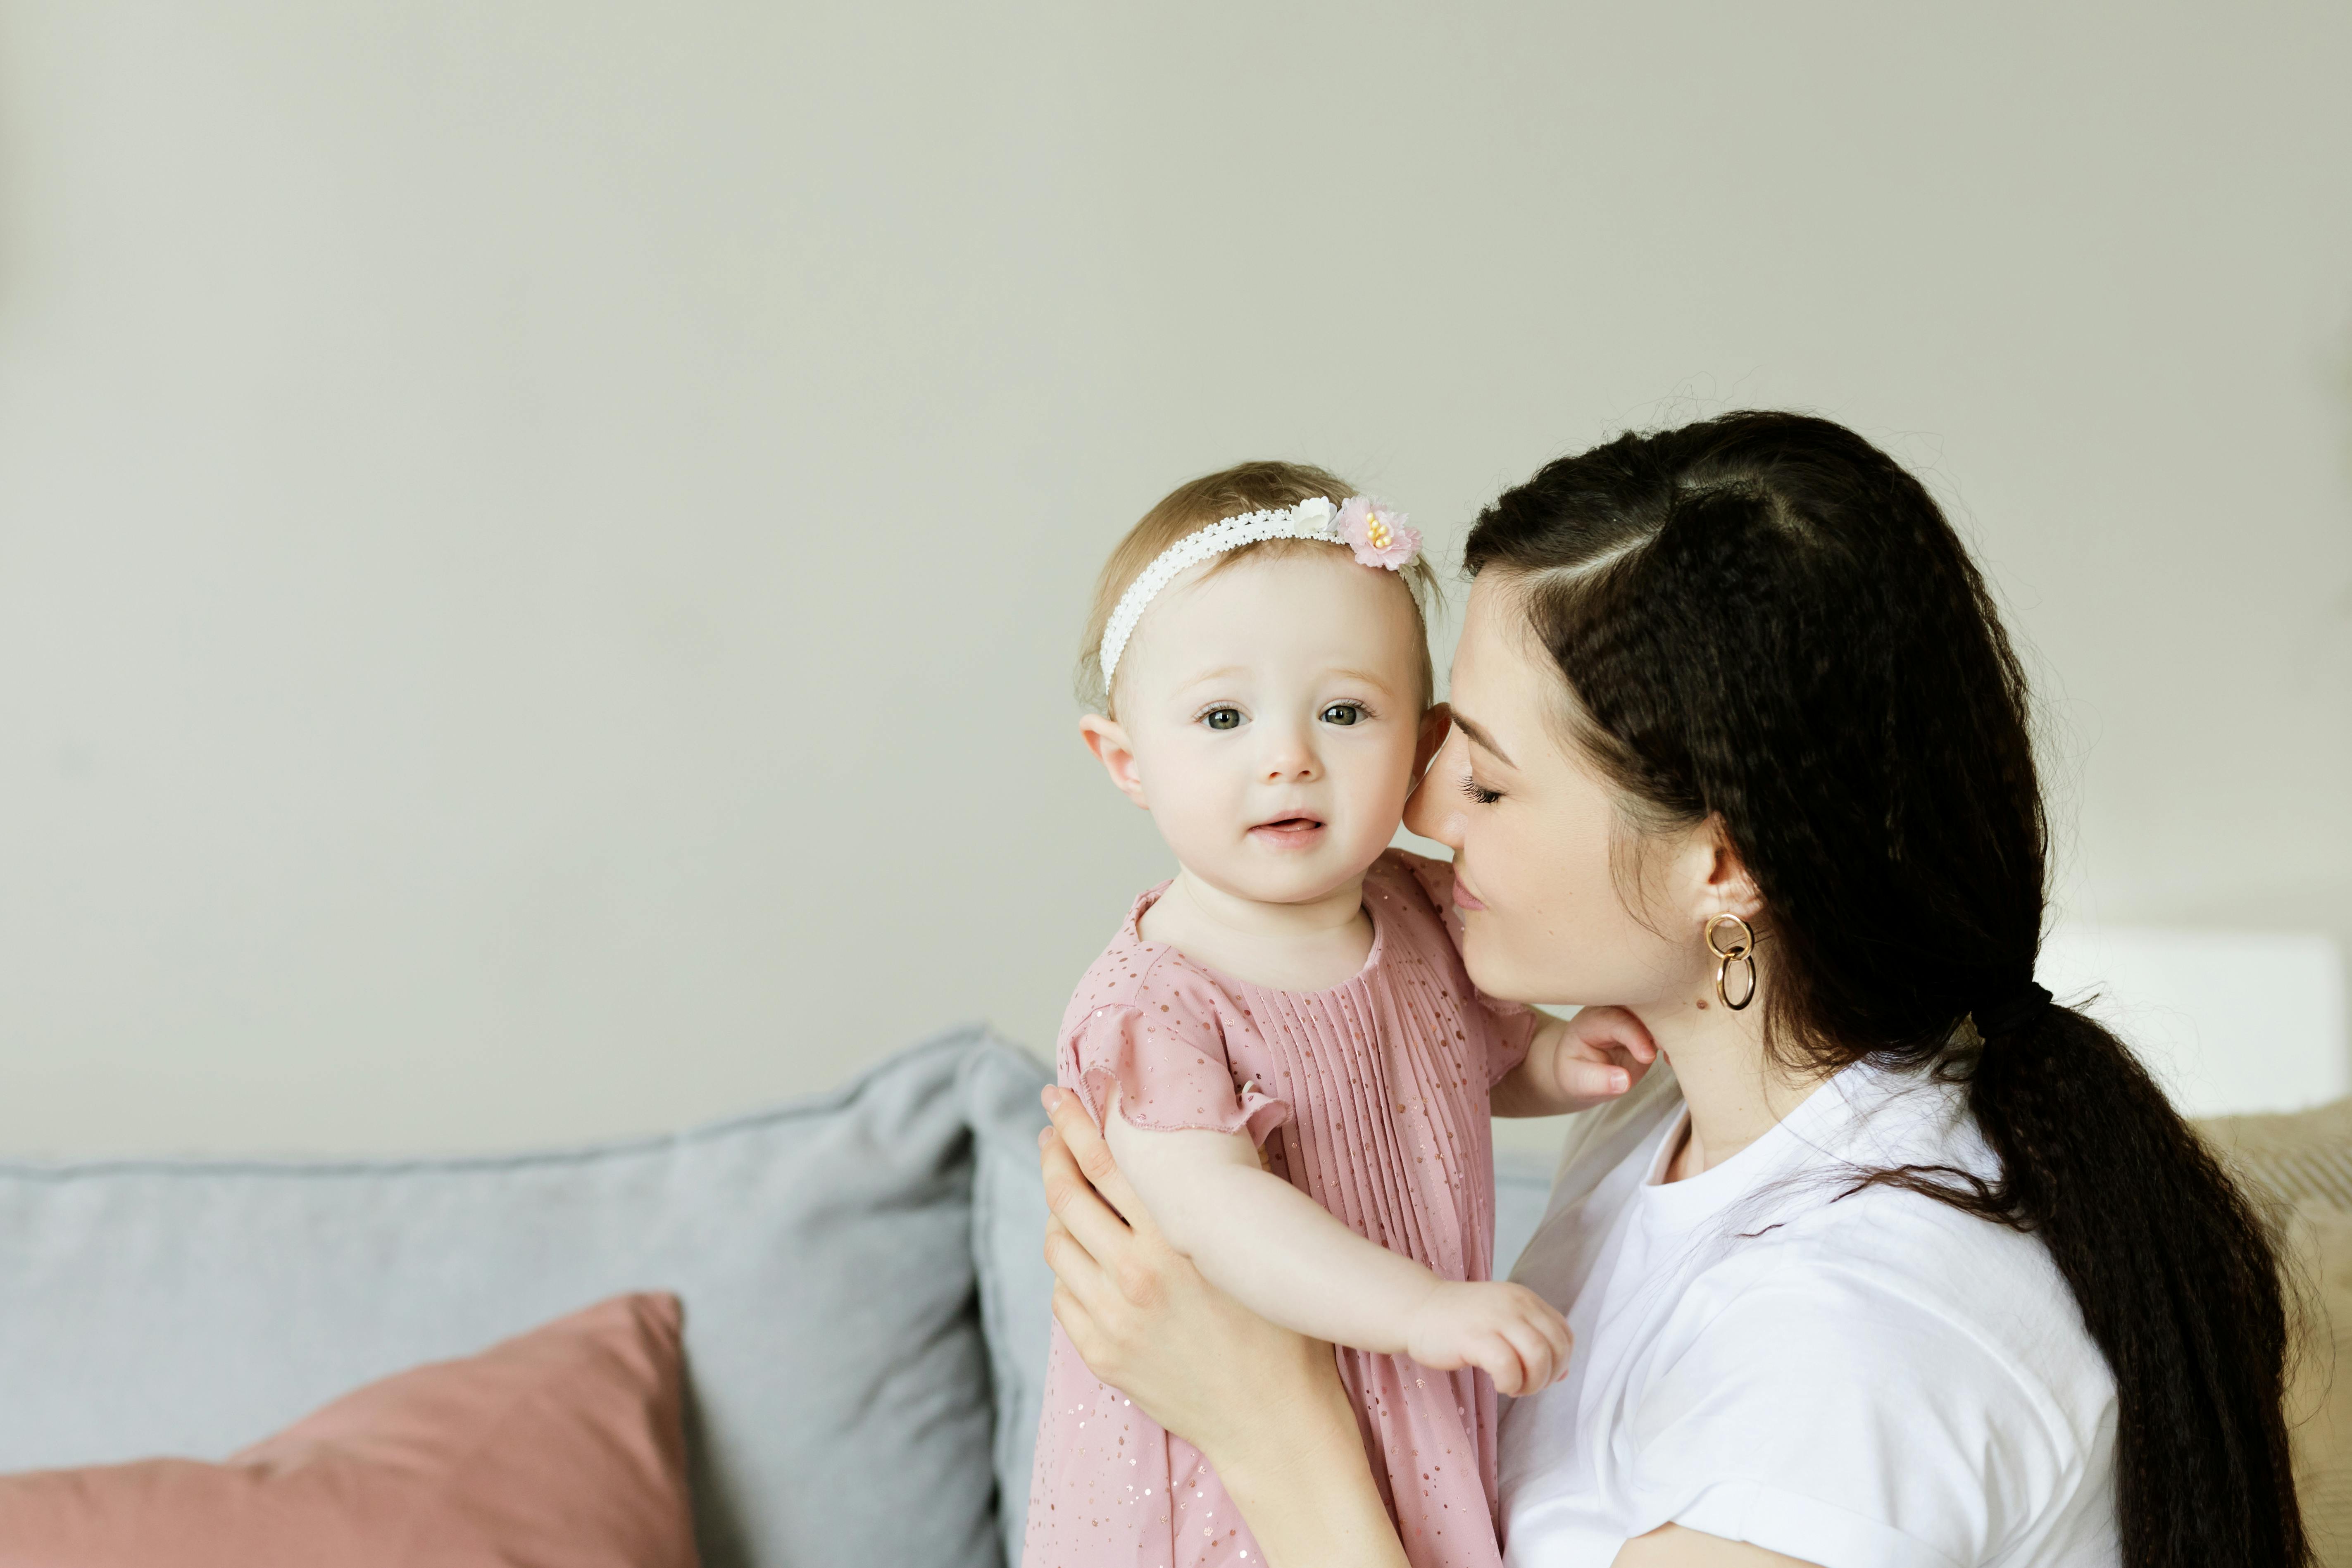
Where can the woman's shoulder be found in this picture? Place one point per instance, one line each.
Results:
(1884, 1295)
(1886, 1263)
(1874, 1294)
(1940, 1373)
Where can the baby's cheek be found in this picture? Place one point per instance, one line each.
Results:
(1195, 829)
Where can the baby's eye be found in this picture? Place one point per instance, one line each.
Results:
(1222, 718)
(1344, 713)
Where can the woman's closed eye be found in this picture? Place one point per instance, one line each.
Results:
(1478, 792)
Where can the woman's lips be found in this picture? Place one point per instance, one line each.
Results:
(1463, 899)
(1288, 833)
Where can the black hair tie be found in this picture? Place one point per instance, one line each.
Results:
(2020, 1009)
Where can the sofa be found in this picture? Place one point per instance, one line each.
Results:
(866, 1309)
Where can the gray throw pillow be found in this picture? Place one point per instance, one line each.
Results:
(841, 1408)
(1016, 1289)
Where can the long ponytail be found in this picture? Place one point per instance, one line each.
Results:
(2176, 1279)
(1764, 619)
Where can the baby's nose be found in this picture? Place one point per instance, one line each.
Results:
(1291, 762)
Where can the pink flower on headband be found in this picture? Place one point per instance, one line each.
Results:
(1376, 532)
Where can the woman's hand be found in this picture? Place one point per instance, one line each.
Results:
(1144, 1320)
(1264, 1405)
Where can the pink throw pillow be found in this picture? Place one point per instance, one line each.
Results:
(564, 1446)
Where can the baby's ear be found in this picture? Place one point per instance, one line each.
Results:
(1107, 739)
(1436, 725)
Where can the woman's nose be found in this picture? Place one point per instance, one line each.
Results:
(1429, 811)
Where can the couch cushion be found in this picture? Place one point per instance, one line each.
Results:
(1016, 1289)
(565, 1444)
(2301, 1163)
(840, 1402)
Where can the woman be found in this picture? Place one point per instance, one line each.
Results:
(1894, 1261)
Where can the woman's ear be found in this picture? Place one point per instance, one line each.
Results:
(1727, 889)
(1708, 879)
(1107, 739)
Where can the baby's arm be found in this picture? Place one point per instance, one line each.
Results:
(1575, 1063)
(1282, 1255)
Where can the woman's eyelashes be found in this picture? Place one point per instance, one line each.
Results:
(1478, 792)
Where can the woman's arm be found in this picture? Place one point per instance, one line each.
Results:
(1672, 1546)
(1286, 1257)
(1263, 1404)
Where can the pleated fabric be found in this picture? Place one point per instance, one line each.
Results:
(1372, 1098)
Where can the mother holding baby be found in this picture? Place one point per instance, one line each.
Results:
(1891, 1261)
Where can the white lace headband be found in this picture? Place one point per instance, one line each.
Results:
(1371, 528)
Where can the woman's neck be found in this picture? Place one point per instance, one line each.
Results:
(1736, 1092)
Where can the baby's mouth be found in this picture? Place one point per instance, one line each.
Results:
(1294, 832)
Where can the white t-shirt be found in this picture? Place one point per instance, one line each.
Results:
(1877, 1381)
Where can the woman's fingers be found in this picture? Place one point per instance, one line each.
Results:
(1067, 1257)
(1080, 1221)
(1092, 1154)
(1112, 1268)
(1070, 1311)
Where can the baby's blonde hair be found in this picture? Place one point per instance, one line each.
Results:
(1262, 486)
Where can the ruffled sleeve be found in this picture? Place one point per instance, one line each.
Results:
(1512, 1025)
(1168, 1064)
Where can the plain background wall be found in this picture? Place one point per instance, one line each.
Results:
(542, 545)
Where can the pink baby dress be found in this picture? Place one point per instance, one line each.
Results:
(1371, 1098)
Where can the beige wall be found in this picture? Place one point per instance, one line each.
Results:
(541, 544)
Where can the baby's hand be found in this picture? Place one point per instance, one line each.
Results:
(1507, 1330)
(1602, 1053)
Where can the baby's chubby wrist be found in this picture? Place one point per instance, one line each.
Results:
(1430, 1322)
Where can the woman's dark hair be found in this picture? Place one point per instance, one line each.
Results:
(1764, 619)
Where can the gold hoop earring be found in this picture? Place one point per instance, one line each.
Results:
(1741, 950)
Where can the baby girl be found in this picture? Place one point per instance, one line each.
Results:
(1281, 1044)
